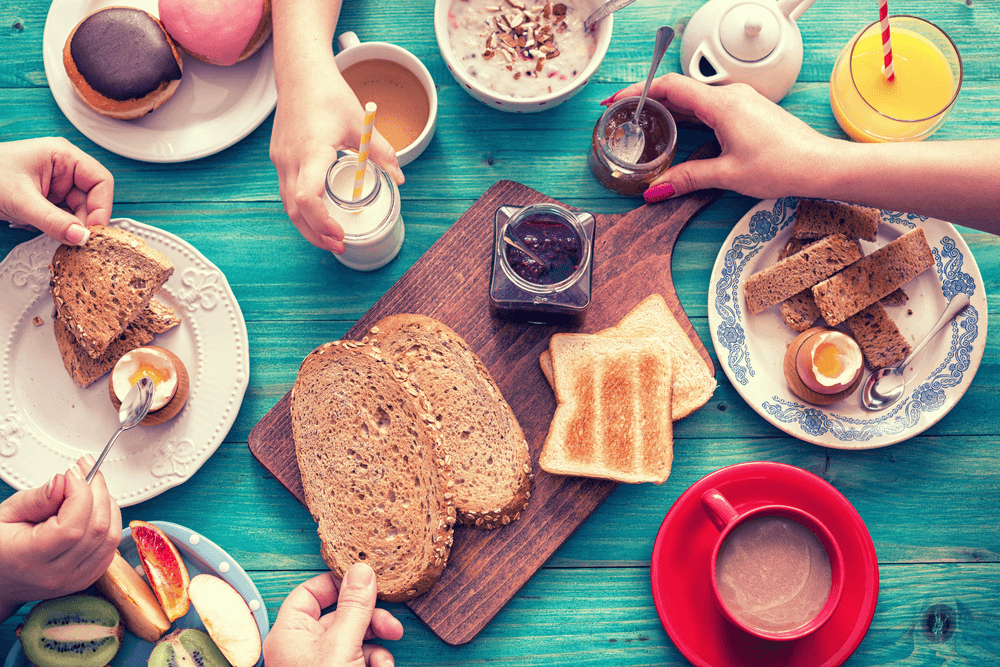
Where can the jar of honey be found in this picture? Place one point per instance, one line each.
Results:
(555, 290)
(660, 131)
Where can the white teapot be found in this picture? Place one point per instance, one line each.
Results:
(745, 41)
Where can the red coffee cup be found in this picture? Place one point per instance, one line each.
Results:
(777, 572)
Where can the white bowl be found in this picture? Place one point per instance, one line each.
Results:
(507, 102)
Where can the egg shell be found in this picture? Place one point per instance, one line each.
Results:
(171, 409)
(795, 382)
(805, 359)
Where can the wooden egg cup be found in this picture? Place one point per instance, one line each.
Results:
(170, 410)
(795, 382)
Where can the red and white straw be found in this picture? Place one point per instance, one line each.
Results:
(883, 17)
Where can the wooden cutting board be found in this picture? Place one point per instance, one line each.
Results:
(632, 257)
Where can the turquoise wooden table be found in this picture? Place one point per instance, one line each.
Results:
(931, 503)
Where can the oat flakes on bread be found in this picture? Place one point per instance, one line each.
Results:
(693, 385)
(373, 471)
(490, 459)
(100, 287)
(611, 419)
(873, 277)
(85, 370)
(815, 219)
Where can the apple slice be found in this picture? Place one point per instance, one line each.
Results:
(129, 592)
(227, 618)
(164, 567)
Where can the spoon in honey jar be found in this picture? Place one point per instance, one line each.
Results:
(628, 139)
(885, 386)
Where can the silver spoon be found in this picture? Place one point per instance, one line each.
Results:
(885, 386)
(132, 411)
(511, 239)
(605, 10)
(628, 140)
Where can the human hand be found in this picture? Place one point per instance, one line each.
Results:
(301, 637)
(766, 151)
(54, 186)
(317, 115)
(57, 539)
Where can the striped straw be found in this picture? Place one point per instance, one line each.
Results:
(366, 137)
(883, 17)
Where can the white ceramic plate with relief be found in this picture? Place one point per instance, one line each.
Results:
(751, 348)
(201, 556)
(212, 109)
(47, 422)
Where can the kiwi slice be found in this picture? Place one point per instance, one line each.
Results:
(187, 647)
(75, 630)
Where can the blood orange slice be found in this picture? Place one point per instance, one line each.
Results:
(164, 567)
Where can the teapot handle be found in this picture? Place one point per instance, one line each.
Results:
(694, 67)
(794, 9)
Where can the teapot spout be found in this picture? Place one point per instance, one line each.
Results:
(793, 9)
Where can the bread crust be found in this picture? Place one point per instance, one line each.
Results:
(477, 423)
(375, 477)
(119, 109)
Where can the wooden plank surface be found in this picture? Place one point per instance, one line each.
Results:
(930, 503)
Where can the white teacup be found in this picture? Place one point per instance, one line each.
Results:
(354, 52)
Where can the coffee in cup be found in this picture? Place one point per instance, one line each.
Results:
(777, 571)
(395, 80)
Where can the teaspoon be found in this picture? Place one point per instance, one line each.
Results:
(511, 239)
(132, 411)
(885, 386)
(628, 140)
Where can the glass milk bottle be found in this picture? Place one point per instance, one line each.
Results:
(373, 225)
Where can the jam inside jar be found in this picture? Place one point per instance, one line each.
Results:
(659, 149)
(556, 292)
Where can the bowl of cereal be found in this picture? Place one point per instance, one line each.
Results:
(520, 56)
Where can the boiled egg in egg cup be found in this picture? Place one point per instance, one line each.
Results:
(823, 365)
(164, 368)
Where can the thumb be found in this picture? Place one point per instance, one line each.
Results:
(355, 606)
(685, 177)
(384, 155)
(34, 505)
(37, 211)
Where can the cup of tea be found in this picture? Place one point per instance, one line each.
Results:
(399, 83)
(777, 571)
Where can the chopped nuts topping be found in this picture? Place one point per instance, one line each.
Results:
(523, 35)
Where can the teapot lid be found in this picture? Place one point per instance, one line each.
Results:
(749, 32)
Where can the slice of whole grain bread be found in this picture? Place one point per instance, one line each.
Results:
(373, 470)
(490, 460)
(85, 370)
(611, 419)
(815, 219)
(878, 337)
(100, 287)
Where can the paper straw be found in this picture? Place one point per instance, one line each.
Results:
(883, 17)
(366, 137)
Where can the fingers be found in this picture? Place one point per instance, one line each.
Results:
(355, 606)
(382, 152)
(682, 95)
(33, 209)
(35, 505)
(377, 656)
(385, 626)
(308, 599)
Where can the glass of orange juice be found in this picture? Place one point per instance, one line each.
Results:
(911, 107)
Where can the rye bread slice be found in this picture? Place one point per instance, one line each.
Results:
(878, 336)
(799, 271)
(373, 471)
(816, 219)
(490, 460)
(873, 277)
(85, 370)
(100, 287)
(610, 420)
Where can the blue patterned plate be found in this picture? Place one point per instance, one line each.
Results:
(751, 348)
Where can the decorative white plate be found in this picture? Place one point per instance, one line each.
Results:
(212, 109)
(751, 348)
(47, 422)
(201, 556)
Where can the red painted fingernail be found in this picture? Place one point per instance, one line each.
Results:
(608, 101)
(658, 193)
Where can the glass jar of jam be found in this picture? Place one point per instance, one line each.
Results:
(660, 130)
(373, 224)
(555, 291)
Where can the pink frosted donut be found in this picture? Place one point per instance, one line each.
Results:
(220, 32)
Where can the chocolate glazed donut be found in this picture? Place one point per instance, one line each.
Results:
(122, 63)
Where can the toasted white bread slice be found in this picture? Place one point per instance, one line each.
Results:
(373, 471)
(134, 599)
(100, 287)
(490, 460)
(613, 418)
(693, 384)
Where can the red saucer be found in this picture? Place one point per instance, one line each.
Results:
(682, 590)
